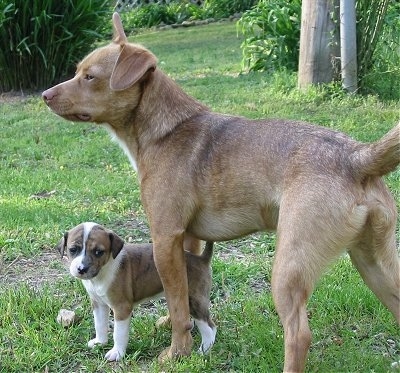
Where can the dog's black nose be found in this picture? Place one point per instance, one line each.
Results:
(82, 269)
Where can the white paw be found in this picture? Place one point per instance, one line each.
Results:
(93, 342)
(114, 354)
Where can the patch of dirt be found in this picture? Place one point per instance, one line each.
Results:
(34, 272)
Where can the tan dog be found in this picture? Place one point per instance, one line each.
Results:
(120, 276)
(217, 177)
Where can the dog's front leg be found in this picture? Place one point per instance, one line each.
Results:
(100, 313)
(170, 261)
(121, 336)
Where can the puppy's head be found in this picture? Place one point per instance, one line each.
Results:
(89, 247)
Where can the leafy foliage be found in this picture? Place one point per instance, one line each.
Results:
(182, 10)
(382, 74)
(272, 35)
(41, 40)
(370, 17)
(225, 8)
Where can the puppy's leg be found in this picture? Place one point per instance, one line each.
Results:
(121, 334)
(101, 314)
(208, 331)
(199, 309)
(171, 265)
(376, 258)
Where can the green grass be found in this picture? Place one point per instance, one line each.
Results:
(92, 180)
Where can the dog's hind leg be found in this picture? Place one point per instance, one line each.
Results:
(312, 232)
(199, 309)
(375, 255)
(208, 331)
(291, 288)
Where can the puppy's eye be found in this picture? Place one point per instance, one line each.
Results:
(73, 250)
(98, 253)
(89, 77)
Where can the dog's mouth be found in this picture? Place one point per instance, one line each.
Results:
(82, 117)
(86, 276)
(76, 117)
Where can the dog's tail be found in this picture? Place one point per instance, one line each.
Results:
(380, 157)
(208, 251)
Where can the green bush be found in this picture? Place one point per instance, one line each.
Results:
(181, 10)
(382, 76)
(41, 40)
(272, 35)
(225, 8)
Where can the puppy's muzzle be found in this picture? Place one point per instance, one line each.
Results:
(82, 269)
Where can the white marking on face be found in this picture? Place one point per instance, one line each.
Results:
(77, 262)
(87, 228)
(207, 335)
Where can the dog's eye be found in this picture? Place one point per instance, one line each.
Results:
(98, 253)
(89, 77)
(73, 250)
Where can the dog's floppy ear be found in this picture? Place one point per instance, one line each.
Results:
(117, 244)
(61, 246)
(119, 33)
(132, 64)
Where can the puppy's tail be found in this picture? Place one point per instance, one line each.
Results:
(380, 157)
(208, 251)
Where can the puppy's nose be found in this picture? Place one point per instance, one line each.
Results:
(82, 269)
(48, 95)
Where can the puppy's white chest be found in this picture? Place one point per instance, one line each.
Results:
(96, 290)
(98, 286)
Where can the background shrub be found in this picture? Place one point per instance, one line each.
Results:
(225, 8)
(42, 40)
(181, 10)
(272, 39)
(272, 35)
(383, 74)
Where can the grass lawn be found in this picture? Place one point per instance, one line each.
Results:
(87, 177)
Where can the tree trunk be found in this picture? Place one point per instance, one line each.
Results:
(317, 44)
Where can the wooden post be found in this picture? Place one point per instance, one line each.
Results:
(348, 45)
(317, 56)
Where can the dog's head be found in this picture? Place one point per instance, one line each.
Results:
(89, 247)
(108, 76)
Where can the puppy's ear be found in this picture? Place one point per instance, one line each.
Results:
(61, 246)
(132, 64)
(117, 243)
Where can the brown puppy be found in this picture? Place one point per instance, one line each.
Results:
(217, 177)
(120, 276)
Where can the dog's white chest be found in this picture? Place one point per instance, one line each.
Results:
(123, 146)
(96, 290)
(98, 286)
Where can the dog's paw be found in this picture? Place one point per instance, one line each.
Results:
(172, 353)
(164, 357)
(95, 341)
(114, 354)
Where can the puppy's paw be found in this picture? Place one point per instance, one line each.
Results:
(114, 354)
(95, 341)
